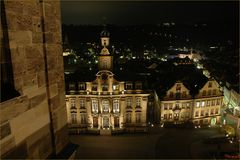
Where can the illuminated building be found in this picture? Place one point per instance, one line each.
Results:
(207, 104)
(176, 106)
(204, 108)
(106, 105)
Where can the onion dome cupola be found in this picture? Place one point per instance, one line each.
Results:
(105, 36)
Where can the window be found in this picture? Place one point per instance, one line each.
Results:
(213, 102)
(74, 118)
(187, 115)
(203, 103)
(82, 104)
(184, 105)
(116, 106)
(138, 102)
(184, 95)
(81, 86)
(71, 86)
(165, 116)
(138, 117)
(95, 106)
(218, 102)
(128, 86)
(188, 105)
(115, 87)
(105, 105)
(171, 95)
(95, 122)
(94, 87)
(198, 104)
(214, 92)
(73, 104)
(212, 110)
(196, 114)
(104, 87)
(170, 105)
(216, 111)
(129, 102)
(116, 121)
(208, 103)
(128, 118)
(170, 116)
(204, 93)
(209, 84)
(209, 92)
(138, 85)
(202, 113)
(177, 106)
(206, 113)
(83, 118)
(178, 87)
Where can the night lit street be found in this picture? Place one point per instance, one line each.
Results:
(158, 143)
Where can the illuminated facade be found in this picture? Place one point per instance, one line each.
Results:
(176, 106)
(204, 108)
(207, 104)
(106, 105)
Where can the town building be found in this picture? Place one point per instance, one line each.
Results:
(105, 105)
(203, 108)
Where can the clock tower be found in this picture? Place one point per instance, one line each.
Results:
(105, 59)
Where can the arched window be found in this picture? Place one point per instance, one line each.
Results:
(116, 106)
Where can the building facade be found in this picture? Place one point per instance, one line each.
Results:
(106, 105)
(208, 103)
(204, 108)
(177, 105)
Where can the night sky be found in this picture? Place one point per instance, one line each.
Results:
(154, 12)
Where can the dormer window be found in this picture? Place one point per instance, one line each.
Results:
(204, 93)
(178, 87)
(105, 87)
(115, 87)
(138, 85)
(128, 86)
(94, 87)
(209, 84)
(81, 86)
(171, 95)
(71, 86)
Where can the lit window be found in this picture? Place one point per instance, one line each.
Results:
(213, 102)
(165, 116)
(138, 102)
(170, 116)
(115, 87)
(116, 106)
(129, 102)
(208, 103)
(74, 118)
(73, 104)
(95, 106)
(105, 105)
(81, 86)
(82, 104)
(198, 104)
(203, 103)
(188, 105)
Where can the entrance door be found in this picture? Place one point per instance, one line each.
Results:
(116, 121)
(95, 122)
(105, 122)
